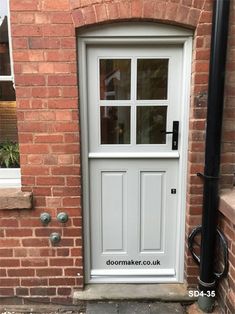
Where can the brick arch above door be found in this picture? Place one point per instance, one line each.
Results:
(187, 13)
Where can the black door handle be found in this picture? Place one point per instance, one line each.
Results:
(175, 134)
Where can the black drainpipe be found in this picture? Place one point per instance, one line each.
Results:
(207, 280)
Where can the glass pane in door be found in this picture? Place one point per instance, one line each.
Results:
(152, 75)
(115, 124)
(115, 79)
(151, 121)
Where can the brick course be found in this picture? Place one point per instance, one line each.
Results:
(45, 63)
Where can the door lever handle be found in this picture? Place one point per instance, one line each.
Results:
(167, 132)
(175, 134)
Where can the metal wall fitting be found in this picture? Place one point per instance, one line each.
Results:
(62, 217)
(55, 237)
(45, 218)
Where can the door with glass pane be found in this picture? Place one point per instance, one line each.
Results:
(134, 95)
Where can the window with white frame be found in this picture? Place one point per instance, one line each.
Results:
(9, 151)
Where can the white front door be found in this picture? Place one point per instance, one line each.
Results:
(134, 96)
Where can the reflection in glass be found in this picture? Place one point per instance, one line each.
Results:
(115, 125)
(8, 120)
(7, 91)
(151, 120)
(4, 41)
(115, 79)
(152, 78)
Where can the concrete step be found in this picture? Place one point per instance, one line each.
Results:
(156, 292)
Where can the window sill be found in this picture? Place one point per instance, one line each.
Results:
(10, 178)
(14, 198)
(227, 204)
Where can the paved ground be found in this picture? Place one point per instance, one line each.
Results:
(100, 308)
(122, 307)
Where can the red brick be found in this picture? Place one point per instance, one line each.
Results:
(61, 18)
(71, 201)
(20, 43)
(59, 5)
(9, 242)
(65, 191)
(34, 149)
(64, 291)
(26, 5)
(41, 18)
(124, 9)
(62, 104)
(89, 15)
(101, 13)
(65, 148)
(55, 30)
(9, 282)
(68, 43)
(22, 291)
(65, 159)
(30, 79)
(63, 252)
(55, 80)
(171, 11)
(72, 232)
(71, 272)
(11, 222)
(50, 181)
(48, 272)
(193, 16)
(6, 252)
(18, 233)
(34, 242)
(43, 291)
(149, 9)
(35, 170)
(44, 43)
(112, 10)
(52, 138)
(9, 263)
(23, 272)
(26, 30)
(6, 292)
(62, 281)
(78, 18)
(28, 282)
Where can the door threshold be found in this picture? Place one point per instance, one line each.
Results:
(159, 292)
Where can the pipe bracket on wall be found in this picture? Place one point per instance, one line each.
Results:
(204, 176)
(223, 243)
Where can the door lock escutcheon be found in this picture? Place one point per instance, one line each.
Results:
(175, 134)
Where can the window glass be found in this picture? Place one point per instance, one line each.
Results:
(5, 67)
(115, 79)
(115, 124)
(152, 76)
(151, 121)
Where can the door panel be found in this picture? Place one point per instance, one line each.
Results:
(133, 214)
(151, 198)
(113, 210)
(133, 96)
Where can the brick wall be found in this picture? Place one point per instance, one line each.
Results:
(228, 137)
(226, 291)
(45, 58)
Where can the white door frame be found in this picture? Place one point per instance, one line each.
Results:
(133, 33)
